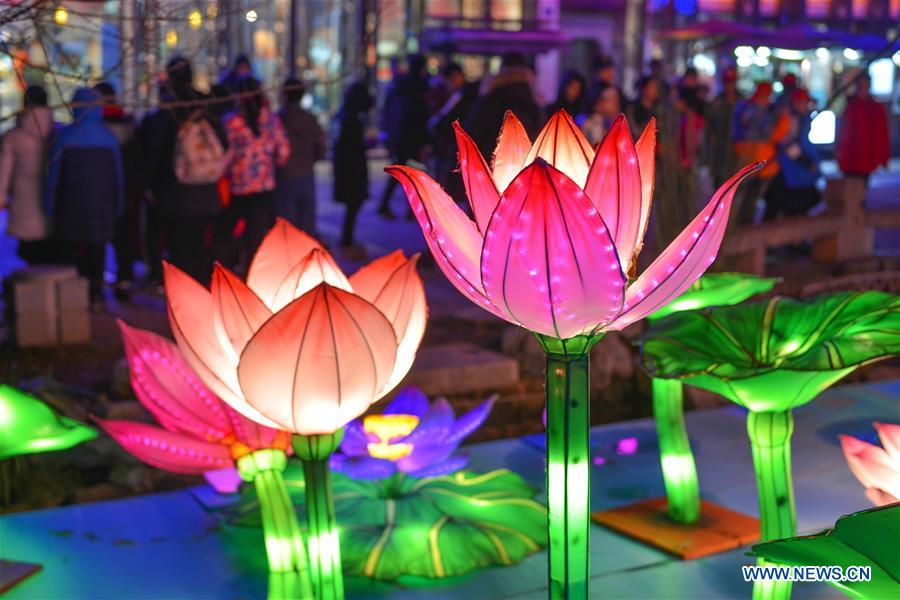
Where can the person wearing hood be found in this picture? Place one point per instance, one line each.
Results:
(85, 188)
(570, 96)
(23, 166)
(126, 242)
(512, 88)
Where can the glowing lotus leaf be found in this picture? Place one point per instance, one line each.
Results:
(432, 528)
(28, 426)
(866, 538)
(319, 362)
(224, 330)
(200, 433)
(717, 289)
(774, 355)
(877, 468)
(560, 227)
(411, 436)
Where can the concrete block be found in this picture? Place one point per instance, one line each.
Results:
(72, 294)
(74, 327)
(36, 330)
(462, 368)
(44, 273)
(35, 297)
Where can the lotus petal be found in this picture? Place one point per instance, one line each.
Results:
(319, 362)
(424, 456)
(453, 238)
(280, 251)
(401, 298)
(477, 179)
(224, 481)
(410, 401)
(685, 259)
(363, 467)
(562, 144)
(356, 441)
(434, 426)
(614, 186)
(192, 317)
(889, 434)
(175, 452)
(167, 386)
(646, 155)
(451, 465)
(469, 422)
(548, 259)
(871, 465)
(513, 147)
(316, 268)
(237, 311)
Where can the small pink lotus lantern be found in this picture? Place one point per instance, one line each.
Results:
(302, 348)
(200, 434)
(553, 248)
(876, 468)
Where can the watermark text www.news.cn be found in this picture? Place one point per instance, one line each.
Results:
(808, 573)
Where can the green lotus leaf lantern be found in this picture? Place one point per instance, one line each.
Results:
(29, 426)
(772, 357)
(676, 458)
(407, 528)
(864, 539)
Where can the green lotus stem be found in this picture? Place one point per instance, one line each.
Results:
(324, 544)
(677, 461)
(568, 464)
(285, 549)
(770, 439)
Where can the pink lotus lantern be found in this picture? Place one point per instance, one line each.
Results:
(553, 248)
(303, 348)
(876, 468)
(200, 434)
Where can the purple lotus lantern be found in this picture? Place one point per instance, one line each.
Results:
(412, 437)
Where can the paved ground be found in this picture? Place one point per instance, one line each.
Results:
(172, 545)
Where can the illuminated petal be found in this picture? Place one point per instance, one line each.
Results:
(614, 186)
(317, 267)
(410, 401)
(562, 144)
(513, 147)
(319, 362)
(480, 188)
(871, 465)
(192, 318)
(362, 467)
(422, 457)
(280, 251)
(224, 481)
(433, 427)
(646, 155)
(175, 452)
(686, 258)
(256, 436)
(889, 434)
(451, 236)
(398, 292)
(356, 441)
(167, 386)
(548, 258)
(238, 312)
(470, 421)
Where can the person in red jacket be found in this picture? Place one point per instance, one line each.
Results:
(862, 141)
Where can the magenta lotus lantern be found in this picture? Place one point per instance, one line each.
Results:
(876, 467)
(553, 248)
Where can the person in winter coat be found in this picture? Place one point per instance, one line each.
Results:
(85, 188)
(570, 96)
(351, 175)
(511, 89)
(127, 238)
(793, 190)
(606, 107)
(460, 96)
(295, 195)
(180, 216)
(722, 158)
(862, 140)
(257, 144)
(405, 122)
(23, 168)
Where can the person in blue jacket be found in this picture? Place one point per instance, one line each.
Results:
(85, 188)
(793, 191)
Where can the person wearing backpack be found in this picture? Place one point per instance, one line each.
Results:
(257, 145)
(185, 156)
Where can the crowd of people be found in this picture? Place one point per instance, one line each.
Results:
(202, 177)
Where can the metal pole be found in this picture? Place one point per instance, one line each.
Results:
(292, 39)
(128, 49)
(633, 46)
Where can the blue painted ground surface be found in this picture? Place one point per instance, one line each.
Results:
(170, 546)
